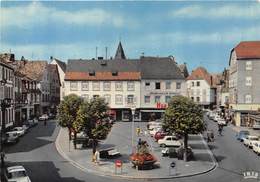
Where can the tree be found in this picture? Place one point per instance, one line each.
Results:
(184, 117)
(92, 117)
(67, 112)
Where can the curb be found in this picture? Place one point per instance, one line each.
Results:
(84, 169)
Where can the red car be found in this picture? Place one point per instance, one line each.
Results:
(159, 135)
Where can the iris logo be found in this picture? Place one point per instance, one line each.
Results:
(250, 175)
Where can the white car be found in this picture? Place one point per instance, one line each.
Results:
(43, 117)
(19, 130)
(170, 141)
(16, 173)
(256, 126)
(250, 139)
(12, 137)
(256, 147)
(154, 124)
(222, 121)
(152, 132)
(216, 117)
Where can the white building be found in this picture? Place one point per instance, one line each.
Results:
(61, 69)
(200, 88)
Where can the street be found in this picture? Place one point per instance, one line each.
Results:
(37, 153)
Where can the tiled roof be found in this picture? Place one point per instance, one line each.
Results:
(33, 69)
(102, 76)
(143, 68)
(200, 73)
(248, 50)
(61, 64)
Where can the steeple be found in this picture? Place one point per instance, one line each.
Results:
(120, 52)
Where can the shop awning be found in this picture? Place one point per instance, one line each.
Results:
(152, 110)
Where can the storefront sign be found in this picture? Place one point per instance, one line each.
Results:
(161, 105)
(165, 93)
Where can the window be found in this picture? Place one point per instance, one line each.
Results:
(168, 85)
(192, 98)
(157, 85)
(248, 99)
(95, 86)
(157, 99)
(198, 84)
(178, 85)
(147, 99)
(198, 99)
(130, 86)
(106, 86)
(167, 98)
(119, 86)
(73, 86)
(85, 97)
(107, 98)
(84, 85)
(119, 99)
(92, 73)
(192, 84)
(130, 99)
(147, 84)
(95, 96)
(114, 73)
(248, 81)
(249, 65)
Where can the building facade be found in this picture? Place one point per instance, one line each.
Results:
(244, 81)
(61, 70)
(201, 89)
(144, 85)
(6, 92)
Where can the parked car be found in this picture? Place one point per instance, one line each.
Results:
(16, 173)
(32, 122)
(216, 117)
(154, 131)
(170, 141)
(256, 126)
(19, 130)
(25, 127)
(154, 124)
(256, 147)
(51, 116)
(241, 135)
(180, 153)
(169, 151)
(250, 139)
(159, 135)
(211, 114)
(43, 117)
(222, 121)
(11, 137)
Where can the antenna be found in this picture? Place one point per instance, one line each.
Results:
(96, 52)
(106, 52)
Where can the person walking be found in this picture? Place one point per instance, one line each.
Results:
(220, 129)
(138, 131)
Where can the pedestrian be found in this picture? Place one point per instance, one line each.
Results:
(220, 129)
(138, 131)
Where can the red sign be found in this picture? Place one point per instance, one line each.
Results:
(161, 105)
(118, 163)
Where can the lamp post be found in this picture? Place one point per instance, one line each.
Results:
(133, 117)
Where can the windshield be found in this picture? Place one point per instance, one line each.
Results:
(17, 174)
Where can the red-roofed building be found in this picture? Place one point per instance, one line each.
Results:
(201, 87)
(244, 81)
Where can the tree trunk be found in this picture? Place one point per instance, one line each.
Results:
(69, 134)
(75, 139)
(185, 147)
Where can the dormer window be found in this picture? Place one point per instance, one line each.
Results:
(114, 73)
(92, 73)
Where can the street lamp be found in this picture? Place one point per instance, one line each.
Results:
(133, 117)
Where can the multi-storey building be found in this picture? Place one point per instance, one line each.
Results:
(6, 92)
(244, 81)
(145, 84)
(61, 69)
(200, 88)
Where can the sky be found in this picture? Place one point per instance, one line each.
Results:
(199, 33)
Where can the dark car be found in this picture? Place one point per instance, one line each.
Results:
(241, 135)
(180, 153)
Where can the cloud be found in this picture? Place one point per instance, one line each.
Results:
(227, 11)
(36, 13)
(228, 36)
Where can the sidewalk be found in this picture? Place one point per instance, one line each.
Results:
(120, 138)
